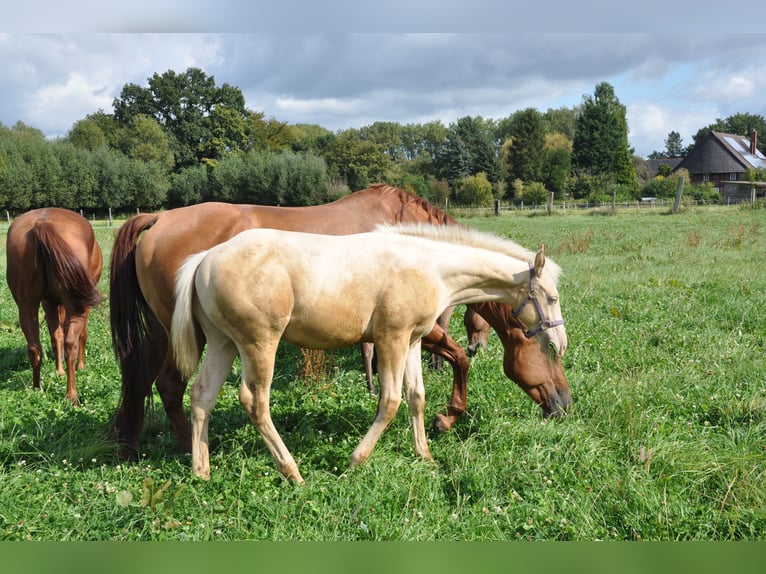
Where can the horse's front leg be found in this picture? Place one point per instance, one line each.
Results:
(391, 359)
(415, 393)
(437, 341)
(212, 375)
(254, 393)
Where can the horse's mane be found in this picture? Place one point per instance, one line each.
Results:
(471, 237)
(409, 200)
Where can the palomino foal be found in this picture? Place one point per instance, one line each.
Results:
(323, 292)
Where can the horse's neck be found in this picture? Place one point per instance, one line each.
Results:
(477, 276)
(499, 316)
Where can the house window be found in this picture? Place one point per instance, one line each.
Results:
(705, 177)
(732, 177)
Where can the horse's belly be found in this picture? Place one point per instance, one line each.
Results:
(325, 334)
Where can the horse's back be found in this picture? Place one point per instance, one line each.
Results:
(315, 286)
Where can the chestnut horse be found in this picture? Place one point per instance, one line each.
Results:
(149, 249)
(387, 287)
(54, 259)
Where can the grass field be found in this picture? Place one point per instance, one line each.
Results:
(666, 439)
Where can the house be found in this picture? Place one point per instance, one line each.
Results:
(653, 165)
(725, 160)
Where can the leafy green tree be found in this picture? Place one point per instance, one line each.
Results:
(78, 177)
(310, 138)
(87, 134)
(533, 193)
(114, 188)
(600, 145)
(474, 190)
(358, 161)
(557, 163)
(388, 135)
(146, 141)
(438, 191)
(184, 105)
(561, 120)
(188, 186)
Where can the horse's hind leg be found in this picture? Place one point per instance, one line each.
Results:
(204, 392)
(257, 373)
(55, 317)
(171, 387)
(74, 327)
(83, 340)
(415, 393)
(30, 326)
(368, 350)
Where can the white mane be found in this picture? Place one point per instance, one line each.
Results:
(472, 238)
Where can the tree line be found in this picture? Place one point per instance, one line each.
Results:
(183, 139)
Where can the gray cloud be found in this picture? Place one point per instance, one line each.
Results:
(341, 80)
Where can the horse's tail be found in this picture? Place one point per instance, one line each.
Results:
(60, 261)
(136, 333)
(182, 327)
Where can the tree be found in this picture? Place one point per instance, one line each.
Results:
(673, 145)
(557, 162)
(87, 134)
(524, 156)
(145, 141)
(470, 149)
(359, 162)
(186, 105)
(474, 190)
(600, 145)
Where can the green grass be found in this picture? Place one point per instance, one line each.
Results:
(666, 440)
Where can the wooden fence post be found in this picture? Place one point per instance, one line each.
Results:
(679, 191)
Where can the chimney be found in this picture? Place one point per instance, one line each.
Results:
(753, 142)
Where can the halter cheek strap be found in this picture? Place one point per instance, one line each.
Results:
(532, 298)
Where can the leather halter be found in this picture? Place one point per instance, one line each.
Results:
(532, 297)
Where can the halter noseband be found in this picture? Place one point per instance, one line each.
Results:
(532, 297)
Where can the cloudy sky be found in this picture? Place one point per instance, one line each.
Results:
(55, 72)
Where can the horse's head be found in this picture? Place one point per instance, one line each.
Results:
(538, 374)
(540, 311)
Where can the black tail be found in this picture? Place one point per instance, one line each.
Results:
(136, 333)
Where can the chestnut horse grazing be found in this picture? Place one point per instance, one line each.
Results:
(149, 249)
(322, 292)
(54, 259)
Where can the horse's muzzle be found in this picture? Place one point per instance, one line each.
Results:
(558, 404)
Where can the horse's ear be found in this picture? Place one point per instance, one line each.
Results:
(540, 260)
